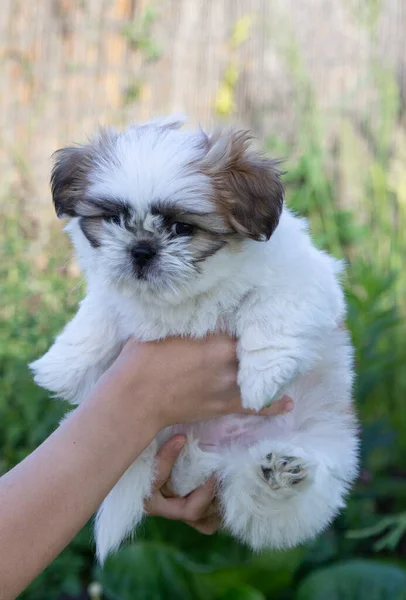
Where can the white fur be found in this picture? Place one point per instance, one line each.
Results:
(283, 300)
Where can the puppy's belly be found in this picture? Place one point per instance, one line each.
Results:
(245, 429)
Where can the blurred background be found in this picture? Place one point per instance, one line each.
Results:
(322, 84)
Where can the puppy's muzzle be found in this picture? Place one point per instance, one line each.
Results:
(142, 254)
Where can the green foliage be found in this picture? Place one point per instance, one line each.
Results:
(139, 36)
(174, 575)
(391, 530)
(34, 306)
(355, 580)
(132, 92)
(171, 561)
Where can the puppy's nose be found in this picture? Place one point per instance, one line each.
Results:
(142, 254)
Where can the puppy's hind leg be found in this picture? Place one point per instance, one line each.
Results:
(275, 495)
(123, 508)
(193, 467)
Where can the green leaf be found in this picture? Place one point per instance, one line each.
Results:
(376, 529)
(241, 593)
(322, 550)
(151, 571)
(394, 526)
(155, 570)
(271, 573)
(355, 580)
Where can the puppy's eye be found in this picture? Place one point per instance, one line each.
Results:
(115, 219)
(182, 228)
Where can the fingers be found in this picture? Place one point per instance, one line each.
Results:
(166, 458)
(207, 526)
(162, 503)
(166, 490)
(198, 502)
(169, 508)
(210, 522)
(192, 508)
(284, 405)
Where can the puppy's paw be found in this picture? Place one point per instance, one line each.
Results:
(257, 391)
(285, 472)
(263, 378)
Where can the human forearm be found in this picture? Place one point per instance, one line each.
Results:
(48, 497)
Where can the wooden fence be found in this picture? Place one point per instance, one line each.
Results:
(68, 65)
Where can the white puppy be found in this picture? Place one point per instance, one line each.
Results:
(181, 233)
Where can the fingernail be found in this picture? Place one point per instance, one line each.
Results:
(289, 405)
(179, 443)
(210, 484)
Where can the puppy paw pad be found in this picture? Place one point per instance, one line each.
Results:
(281, 471)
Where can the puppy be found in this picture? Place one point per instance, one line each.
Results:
(182, 233)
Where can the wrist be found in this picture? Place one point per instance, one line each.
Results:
(129, 399)
(145, 402)
(115, 428)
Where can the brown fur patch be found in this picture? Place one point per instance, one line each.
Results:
(247, 187)
(70, 174)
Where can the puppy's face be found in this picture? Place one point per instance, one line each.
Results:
(157, 207)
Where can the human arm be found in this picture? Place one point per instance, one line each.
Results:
(46, 499)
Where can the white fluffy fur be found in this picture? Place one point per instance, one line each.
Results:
(283, 300)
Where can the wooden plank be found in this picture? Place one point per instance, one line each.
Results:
(67, 66)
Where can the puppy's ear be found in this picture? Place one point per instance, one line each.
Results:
(69, 179)
(70, 176)
(248, 188)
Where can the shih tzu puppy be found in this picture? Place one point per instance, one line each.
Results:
(184, 233)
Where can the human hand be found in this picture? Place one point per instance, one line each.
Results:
(180, 380)
(198, 509)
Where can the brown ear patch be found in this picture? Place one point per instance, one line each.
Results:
(69, 178)
(72, 167)
(248, 190)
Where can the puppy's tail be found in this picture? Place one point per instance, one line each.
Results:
(123, 508)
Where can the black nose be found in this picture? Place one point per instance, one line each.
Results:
(142, 254)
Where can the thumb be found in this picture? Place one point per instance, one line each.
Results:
(166, 458)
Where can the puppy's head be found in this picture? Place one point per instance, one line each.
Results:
(153, 208)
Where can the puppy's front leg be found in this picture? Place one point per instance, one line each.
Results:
(263, 375)
(271, 355)
(282, 329)
(80, 354)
